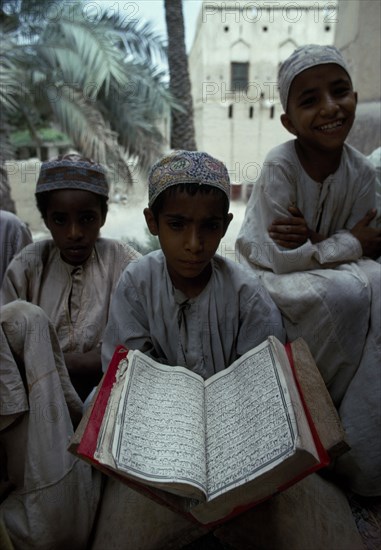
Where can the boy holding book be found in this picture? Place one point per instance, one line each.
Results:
(308, 233)
(72, 275)
(185, 305)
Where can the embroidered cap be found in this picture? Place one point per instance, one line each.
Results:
(72, 172)
(187, 167)
(304, 58)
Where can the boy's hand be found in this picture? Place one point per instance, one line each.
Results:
(369, 237)
(293, 231)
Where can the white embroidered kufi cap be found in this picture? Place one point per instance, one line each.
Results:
(304, 58)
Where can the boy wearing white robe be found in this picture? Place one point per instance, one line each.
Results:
(308, 233)
(56, 294)
(185, 305)
(72, 275)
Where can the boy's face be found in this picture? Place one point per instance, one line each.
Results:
(190, 229)
(74, 218)
(321, 107)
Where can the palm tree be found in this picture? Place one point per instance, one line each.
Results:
(182, 126)
(94, 75)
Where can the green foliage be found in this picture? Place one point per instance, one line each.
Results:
(94, 75)
(22, 138)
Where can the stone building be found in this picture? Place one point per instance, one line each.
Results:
(233, 66)
(358, 37)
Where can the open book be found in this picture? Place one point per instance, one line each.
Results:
(219, 445)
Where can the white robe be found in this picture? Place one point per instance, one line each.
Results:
(233, 314)
(76, 299)
(54, 495)
(14, 235)
(327, 292)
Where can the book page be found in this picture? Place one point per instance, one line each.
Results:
(103, 452)
(250, 423)
(160, 432)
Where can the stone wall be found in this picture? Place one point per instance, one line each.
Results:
(358, 36)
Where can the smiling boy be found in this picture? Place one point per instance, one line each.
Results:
(185, 305)
(320, 112)
(308, 233)
(72, 275)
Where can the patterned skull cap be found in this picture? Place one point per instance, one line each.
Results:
(72, 171)
(187, 167)
(304, 58)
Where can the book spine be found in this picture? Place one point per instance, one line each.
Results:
(88, 444)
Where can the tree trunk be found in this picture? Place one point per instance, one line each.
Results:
(182, 126)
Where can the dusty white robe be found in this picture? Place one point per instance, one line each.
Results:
(14, 235)
(54, 495)
(327, 292)
(76, 299)
(233, 314)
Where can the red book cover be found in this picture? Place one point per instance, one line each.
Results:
(88, 443)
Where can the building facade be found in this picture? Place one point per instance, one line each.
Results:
(233, 65)
(358, 36)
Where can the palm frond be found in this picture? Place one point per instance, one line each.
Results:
(98, 79)
(11, 74)
(80, 120)
(136, 37)
(89, 131)
(83, 55)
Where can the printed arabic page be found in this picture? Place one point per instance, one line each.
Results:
(250, 423)
(161, 422)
